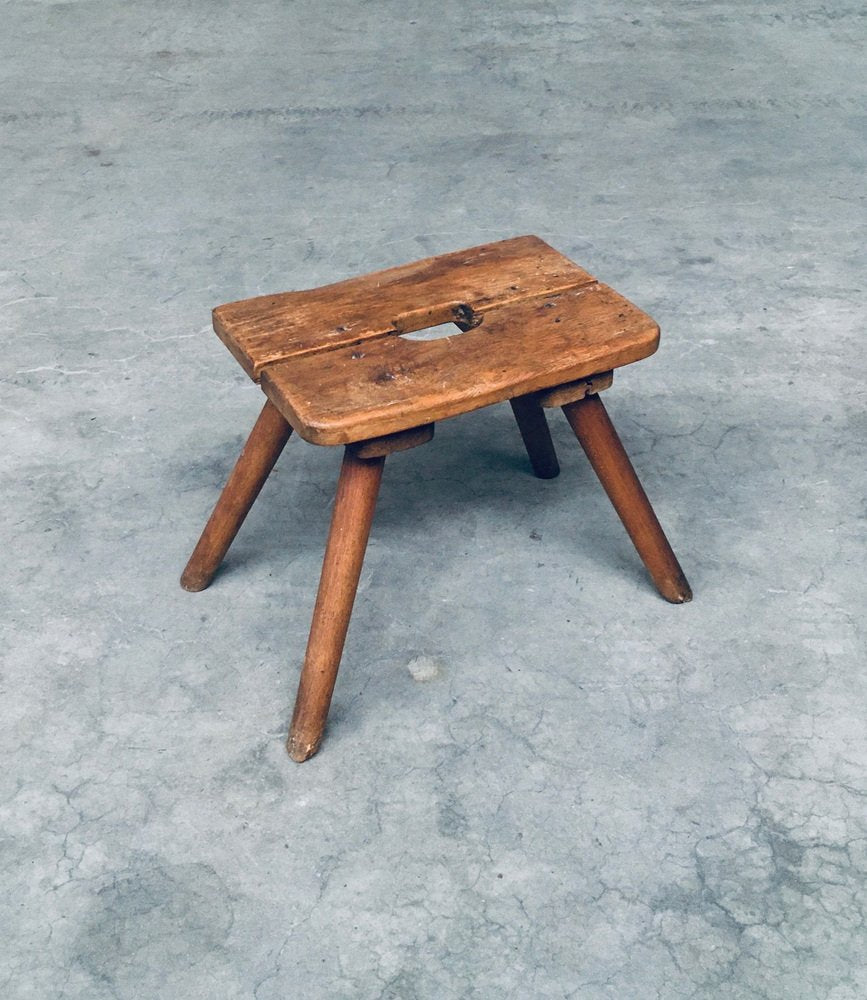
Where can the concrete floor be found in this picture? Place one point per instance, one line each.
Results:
(539, 780)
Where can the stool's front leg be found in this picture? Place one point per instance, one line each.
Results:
(357, 490)
(267, 439)
(537, 437)
(603, 447)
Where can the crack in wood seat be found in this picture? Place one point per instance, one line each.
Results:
(337, 366)
(272, 328)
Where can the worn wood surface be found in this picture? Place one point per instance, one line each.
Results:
(570, 392)
(354, 504)
(593, 428)
(390, 443)
(458, 287)
(390, 384)
(536, 435)
(267, 440)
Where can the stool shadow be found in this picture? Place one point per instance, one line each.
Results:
(477, 465)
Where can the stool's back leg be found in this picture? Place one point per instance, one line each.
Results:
(537, 437)
(599, 439)
(354, 504)
(267, 439)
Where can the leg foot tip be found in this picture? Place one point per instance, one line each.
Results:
(193, 582)
(683, 595)
(301, 750)
(550, 473)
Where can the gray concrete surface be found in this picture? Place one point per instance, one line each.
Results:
(539, 779)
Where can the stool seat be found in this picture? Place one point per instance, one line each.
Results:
(355, 363)
(389, 384)
(342, 365)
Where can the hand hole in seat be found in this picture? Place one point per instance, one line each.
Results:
(437, 322)
(439, 332)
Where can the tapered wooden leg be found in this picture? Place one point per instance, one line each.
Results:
(537, 437)
(267, 439)
(351, 518)
(599, 439)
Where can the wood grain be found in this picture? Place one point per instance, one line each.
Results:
(389, 384)
(570, 392)
(390, 443)
(267, 440)
(458, 287)
(354, 504)
(593, 428)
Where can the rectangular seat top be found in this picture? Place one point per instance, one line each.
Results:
(459, 286)
(337, 361)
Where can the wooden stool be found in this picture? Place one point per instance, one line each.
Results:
(338, 368)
